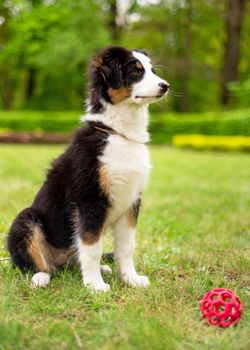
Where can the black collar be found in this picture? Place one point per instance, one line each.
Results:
(113, 132)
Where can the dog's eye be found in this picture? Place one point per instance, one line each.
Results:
(134, 71)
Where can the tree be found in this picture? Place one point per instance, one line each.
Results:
(185, 45)
(234, 21)
(6, 95)
(47, 55)
(184, 39)
(32, 71)
(113, 13)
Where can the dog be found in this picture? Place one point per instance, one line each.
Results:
(98, 181)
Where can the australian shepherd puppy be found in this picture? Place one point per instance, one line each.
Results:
(98, 181)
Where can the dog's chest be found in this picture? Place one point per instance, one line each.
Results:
(127, 166)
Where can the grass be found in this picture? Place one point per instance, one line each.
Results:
(193, 235)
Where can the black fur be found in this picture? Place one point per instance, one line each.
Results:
(137, 206)
(71, 184)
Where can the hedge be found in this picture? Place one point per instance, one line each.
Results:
(58, 122)
(203, 142)
(162, 126)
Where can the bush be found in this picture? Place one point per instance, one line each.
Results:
(164, 127)
(241, 91)
(57, 122)
(202, 142)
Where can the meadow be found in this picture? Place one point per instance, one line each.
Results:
(193, 235)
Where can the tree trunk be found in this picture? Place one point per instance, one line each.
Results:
(234, 20)
(187, 49)
(6, 90)
(6, 95)
(31, 83)
(31, 70)
(114, 28)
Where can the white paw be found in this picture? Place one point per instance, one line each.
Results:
(105, 269)
(40, 279)
(135, 280)
(97, 286)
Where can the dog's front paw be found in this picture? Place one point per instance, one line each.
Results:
(97, 286)
(135, 280)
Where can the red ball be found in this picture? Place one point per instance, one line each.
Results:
(221, 307)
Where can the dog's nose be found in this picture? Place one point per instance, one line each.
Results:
(164, 87)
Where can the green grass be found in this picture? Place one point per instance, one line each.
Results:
(193, 235)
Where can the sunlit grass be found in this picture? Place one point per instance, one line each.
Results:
(193, 235)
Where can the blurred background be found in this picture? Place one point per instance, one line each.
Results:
(200, 46)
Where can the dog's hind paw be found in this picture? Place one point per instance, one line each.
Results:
(105, 269)
(40, 280)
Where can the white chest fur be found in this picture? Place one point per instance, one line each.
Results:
(127, 166)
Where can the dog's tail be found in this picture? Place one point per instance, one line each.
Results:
(26, 242)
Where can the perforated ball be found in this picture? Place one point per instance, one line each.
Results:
(221, 307)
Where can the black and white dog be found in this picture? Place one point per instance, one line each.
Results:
(98, 181)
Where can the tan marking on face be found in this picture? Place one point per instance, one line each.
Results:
(38, 251)
(103, 178)
(119, 94)
(138, 65)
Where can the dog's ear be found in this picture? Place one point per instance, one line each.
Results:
(112, 75)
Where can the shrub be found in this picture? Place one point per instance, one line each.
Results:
(203, 142)
(61, 122)
(164, 127)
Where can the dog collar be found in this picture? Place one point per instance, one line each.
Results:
(113, 132)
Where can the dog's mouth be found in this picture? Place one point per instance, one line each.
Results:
(156, 96)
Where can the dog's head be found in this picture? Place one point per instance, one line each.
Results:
(119, 75)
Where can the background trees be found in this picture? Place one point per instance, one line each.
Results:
(45, 46)
(234, 22)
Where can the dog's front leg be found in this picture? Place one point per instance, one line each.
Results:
(124, 245)
(89, 243)
(89, 256)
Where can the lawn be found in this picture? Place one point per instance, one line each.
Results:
(193, 235)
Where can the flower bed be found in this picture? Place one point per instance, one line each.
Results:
(204, 142)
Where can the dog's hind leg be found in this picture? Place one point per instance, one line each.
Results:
(106, 270)
(28, 247)
(39, 253)
(40, 279)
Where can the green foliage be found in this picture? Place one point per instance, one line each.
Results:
(187, 44)
(46, 46)
(192, 236)
(54, 41)
(162, 126)
(61, 122)
(218, 143)
(241, 92)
